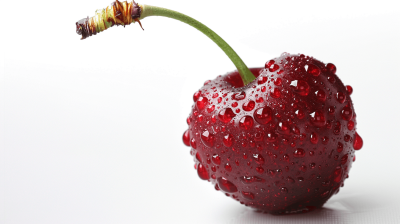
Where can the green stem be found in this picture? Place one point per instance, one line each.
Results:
(244, 72)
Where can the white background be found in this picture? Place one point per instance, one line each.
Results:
(91, 130)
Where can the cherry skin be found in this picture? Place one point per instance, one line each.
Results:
(284, 143)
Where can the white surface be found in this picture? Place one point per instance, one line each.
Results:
(86, 138)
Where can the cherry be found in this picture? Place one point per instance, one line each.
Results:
(279, 138)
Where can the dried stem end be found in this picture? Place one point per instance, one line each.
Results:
(119, 13)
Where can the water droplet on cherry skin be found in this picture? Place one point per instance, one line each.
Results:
(248, 195)
(196, 95)
(186, 138)
(301, 87)
(210, 108)
(337, 128)
(317, 118)
(275, 93)
(262, 80)
(299, 153)
(314, 138)
(347, 113)
(246, 123)
(226, 115)
(193, 143)
(349, 89)
(320, 95)
(263, 115)
(228, 140)
(350, 125)
(201, 103)
(225, 185)
(228, 167)
(340, 97)
(208, 139)
(358, 142)
(339, 147)
(313, 70)
(198, 157)
(331, 68)
(202, 172)
(344, 159)
(249, 105)
(216, 159)
(259, 159)
(269, 63)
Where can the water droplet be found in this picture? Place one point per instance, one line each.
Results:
(347, 113)
(338, 174)
(331, 110)
(320, 94)
(358, 142)
(198, 157)
(271, 137)
(186, 138)
(325, 194)
(210, 108)
(228, 167)
(347, 138)
(246, 123)
(259, 159)
(317, 118)
(196, 95)
(219, 99)
(349, 89)
(337, 128)
(202, 172)
(249, 105)
(299, 153)
(331, 67)
(263, 89)
(228, 140)
(314, 138)
(217, 187)
(262, 80)
(226, 185)
(283, 128)
(239, 96)
(193, 143)
(226, 115)
(263, 115)
(215, 95)
(350, 125)
(313, 70)
(278, 81)
(331, 79)
(301, 87)
(300, 114)
(340, 97)
(201, 103)
(234, 104)
(216, 159)
(208, 139)
(325, 140)
(269, 63)
(344, 159)
(275, 93)
(248, 195)
(260, 169)
(273, 68)
(250, 180)
(339, 147)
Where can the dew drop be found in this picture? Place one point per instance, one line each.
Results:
(248, 195)
(239, 96)
(226, 115)
(228, 140)
(269, 63)
(275, 93)
(201, 103)
(210, 108)
(208, 139)
(228, 167)
(226, 185)
(337, 128)
(273, 68)
(347, 113)
(331, 67)
(246, 122)
(358, 142)
(340, 97)
(320, 95)
(317, 118)
(202, 172)
(262, 80)
(350, 125)
(299, 153)
(186, 138)
(338, 174)
(216, 159)
(349, 89)
(193, 143)
(263, 115)
(313, 70)
(198, 157)
(249, 105)
(339, 147)
(344, 159)
(314, 138)
(259, 159)
(300, 114)
(196, 95)
(278, 81)
(301, 87)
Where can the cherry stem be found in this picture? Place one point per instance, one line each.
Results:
(243, 70)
